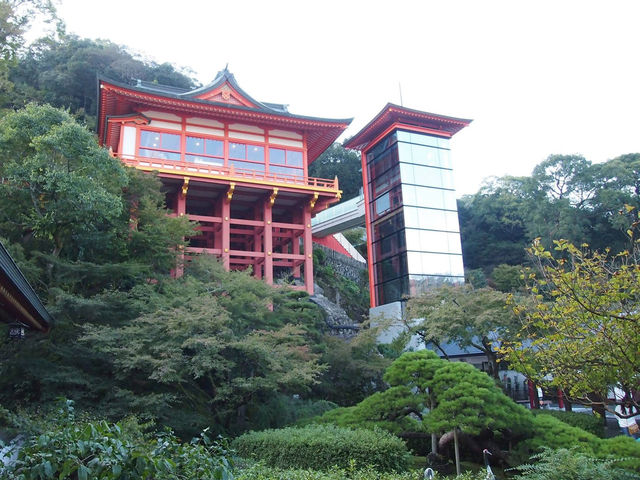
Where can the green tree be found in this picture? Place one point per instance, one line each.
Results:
(507, 278)
(493, 224)
(62, 72)
(430, 395)
(582, 327)
(463, 315)
(354, 368)
(207, 350)
(469, 401)
(59, 183)
(343, 163)
(66, 197)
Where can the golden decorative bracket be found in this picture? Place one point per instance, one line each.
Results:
(272, 198)
(313, 201)
(232, 187)
(185, 186)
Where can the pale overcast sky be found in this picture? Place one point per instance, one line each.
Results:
(537, 77)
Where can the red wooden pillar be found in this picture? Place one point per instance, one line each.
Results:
(268, 243)
(295, 249)
(533, 395)
(257, 243)
(226, 232)
(295, 245)
(560, 399)
(257, 247)
(181, 210)
(308, 251)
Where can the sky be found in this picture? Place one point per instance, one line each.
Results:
(537, 77)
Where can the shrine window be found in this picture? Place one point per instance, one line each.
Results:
(165, 146)
(246, 157)
(204, 150)
(287, 162)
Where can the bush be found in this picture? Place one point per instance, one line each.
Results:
(550, 433)
(571, 464)
(622, 447)
(260, 472)
(284, 410)
(100, 450)
(585, 421)
(320, 447)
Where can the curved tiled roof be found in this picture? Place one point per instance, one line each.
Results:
(112, 97)
(17, 298)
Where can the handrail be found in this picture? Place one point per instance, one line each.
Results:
(192, 168)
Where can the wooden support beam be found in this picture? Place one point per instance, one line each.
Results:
(205, 218)
(247, 223)
(288, 256)
(246, 253)
(210, 251)
(289, 226)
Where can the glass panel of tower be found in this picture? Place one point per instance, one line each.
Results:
(415, 231)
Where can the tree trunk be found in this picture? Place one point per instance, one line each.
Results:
(456, 450)
(434, 437)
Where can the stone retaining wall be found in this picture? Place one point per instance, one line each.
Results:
(343, 265)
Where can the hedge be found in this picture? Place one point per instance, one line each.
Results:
(320, 447)
(552, 433)
(586, 421)
(260, 472)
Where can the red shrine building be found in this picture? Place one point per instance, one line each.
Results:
(237, 166)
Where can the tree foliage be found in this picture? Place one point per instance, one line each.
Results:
(68, 448)
(429, 395)
(463, 315)
(565, 197)
(64, 197)
(343, 163)
(582, 331)
(423, 394)
(63, 72)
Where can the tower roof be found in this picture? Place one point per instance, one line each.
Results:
(395, 116)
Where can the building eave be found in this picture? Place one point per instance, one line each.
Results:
(395, 114)
(322, 132)
(19, 298)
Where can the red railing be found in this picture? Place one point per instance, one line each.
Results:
(191, 168)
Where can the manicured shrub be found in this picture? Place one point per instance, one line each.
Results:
(571, 464)
(551, 433)
(261, 472)
(586, 421)
(548, 431)
(320, 447)
(622, 447)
